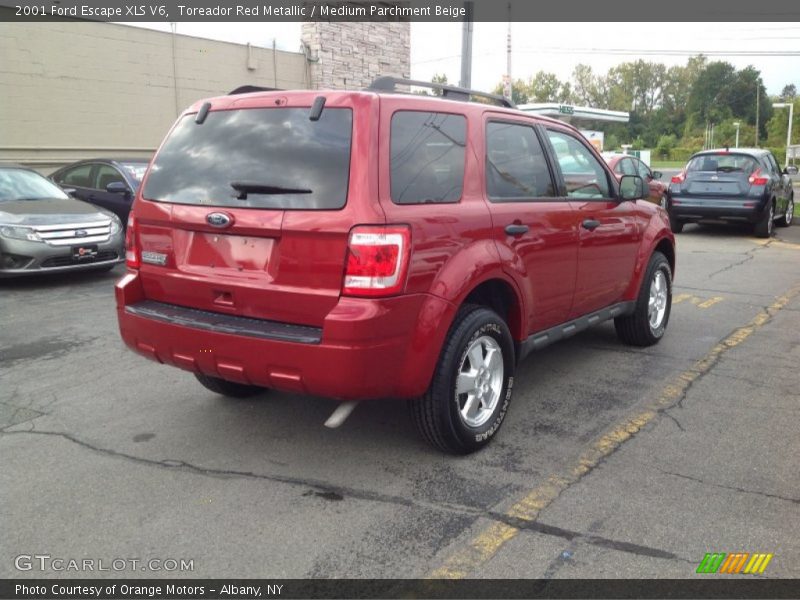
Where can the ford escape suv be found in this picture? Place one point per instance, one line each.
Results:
(375, 244)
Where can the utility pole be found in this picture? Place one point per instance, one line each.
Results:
(758, 102)
(736, 124)
(508, 83)
(466, 47)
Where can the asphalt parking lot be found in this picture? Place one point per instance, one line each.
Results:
(614, 462)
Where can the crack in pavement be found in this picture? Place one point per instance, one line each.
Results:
(325, 489)
(730, 487)
(750, 256)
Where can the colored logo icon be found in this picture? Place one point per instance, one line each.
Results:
(742, 563)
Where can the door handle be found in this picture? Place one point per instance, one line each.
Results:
(590, 224)
(516, 229)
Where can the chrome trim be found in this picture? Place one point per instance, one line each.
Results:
(52, 235)
(78, 241)
(103, 223)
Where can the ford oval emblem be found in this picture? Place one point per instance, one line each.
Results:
(218, 219)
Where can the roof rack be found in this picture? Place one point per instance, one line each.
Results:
(246, 89)
(388, 84)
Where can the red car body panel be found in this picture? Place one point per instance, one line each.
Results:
(287, 266)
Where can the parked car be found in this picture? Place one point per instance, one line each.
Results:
(623, 164)
(372, 244)
(42, 230)
(743, 185)
(110, 184)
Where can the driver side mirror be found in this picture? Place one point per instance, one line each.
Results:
(657, 174)
(631, 187)
(69, 191)
(117, 187)
(790, 170)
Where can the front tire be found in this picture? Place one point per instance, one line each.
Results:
(228, 388)
(788, 216)
(648, 323)
(471, 388)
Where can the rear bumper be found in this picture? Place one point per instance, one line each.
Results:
(739, 210)
(366, 348)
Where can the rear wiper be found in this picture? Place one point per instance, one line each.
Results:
(245, 187)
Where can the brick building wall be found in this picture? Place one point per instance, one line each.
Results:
(351, 55)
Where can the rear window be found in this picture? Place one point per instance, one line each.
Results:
(427, 157)
(256, 158)
(725, 163)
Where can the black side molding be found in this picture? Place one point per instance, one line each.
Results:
(559, 332)
(221, 323)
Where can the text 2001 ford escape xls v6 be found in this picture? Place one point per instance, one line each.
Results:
(372, 244)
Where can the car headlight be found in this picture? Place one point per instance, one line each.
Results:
(19, 233)
(116, 225)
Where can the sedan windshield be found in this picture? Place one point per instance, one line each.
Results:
(21, 184)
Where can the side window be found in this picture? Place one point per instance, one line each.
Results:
(583, 175)
(427, 157)
(642, 170)
(774, 163)
(107, 174)
(516, 167)
(79, 176)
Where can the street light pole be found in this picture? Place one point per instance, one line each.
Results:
(790, 105)
(736, 124)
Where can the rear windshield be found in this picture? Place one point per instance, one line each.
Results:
(256, 158)
(724, 163)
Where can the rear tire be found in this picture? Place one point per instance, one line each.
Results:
(788, 216)
(674, 224)
(471, 388)
(766, 225)
(648, 323)
(228, 388)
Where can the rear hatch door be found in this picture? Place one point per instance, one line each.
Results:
(723, 175)
(248, 212)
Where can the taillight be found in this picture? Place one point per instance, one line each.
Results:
(131, 246)
(680, 177)
(757, 179)
(377, 260)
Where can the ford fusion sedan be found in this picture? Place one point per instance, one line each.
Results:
(109, 184)
(43, 230)
(743, 185)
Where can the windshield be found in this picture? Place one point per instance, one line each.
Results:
(135, 171)
(724, 163)
(256, 158)
(21, 184)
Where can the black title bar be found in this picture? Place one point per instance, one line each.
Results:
(178, 589)
(410, 10)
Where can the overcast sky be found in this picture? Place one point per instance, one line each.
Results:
(558, 47)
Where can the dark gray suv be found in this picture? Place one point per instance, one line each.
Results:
(43, 230)
(741, 184)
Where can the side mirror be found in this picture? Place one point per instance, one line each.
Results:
(657, 174)
(631, 187)
(790, 170)
(69, 191)
(117, 187)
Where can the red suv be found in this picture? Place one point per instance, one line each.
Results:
(374, 244)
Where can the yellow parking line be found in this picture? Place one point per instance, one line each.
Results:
(489, 541)
(680, 298)
(710, 302)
